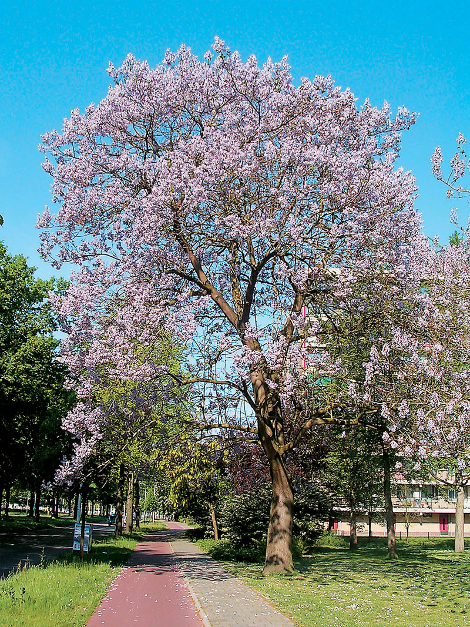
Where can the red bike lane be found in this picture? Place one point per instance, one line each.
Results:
(149, 591)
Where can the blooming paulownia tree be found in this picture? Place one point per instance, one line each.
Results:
(216, 200)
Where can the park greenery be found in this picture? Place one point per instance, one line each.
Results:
(66, 591)
(257, 337)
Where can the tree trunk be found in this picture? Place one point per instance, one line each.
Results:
(353, 529)
(1, 493)
(279, 543)
(119, 501)
(37, 512)
(391, 540)
(82, 528)
(31, 504)
(7, 497)
(137, 504)
(130, 502)
(460, 521)
(370, 524)
(214, 521)
(75, 507)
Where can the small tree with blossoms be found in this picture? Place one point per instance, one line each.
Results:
(215, 199)
(422, 377)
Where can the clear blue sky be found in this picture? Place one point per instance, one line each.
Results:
(53, 56)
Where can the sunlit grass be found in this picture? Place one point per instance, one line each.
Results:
(65, 592)
(428, 585)
(21, 522)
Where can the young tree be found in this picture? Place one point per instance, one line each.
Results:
(423, 379)
(215, 198)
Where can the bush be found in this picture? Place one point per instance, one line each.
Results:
(244, 517)
(332, 540)
(224, 550)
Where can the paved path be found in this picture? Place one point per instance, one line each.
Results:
(149, 591)
(19, 546)
(169, 582)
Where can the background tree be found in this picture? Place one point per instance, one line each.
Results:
(353, 473)
(33, 399)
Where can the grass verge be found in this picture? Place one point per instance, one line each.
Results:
(17, 523)
(65, 592)
(428, 585)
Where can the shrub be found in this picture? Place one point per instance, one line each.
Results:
(332, 540)
(244, 517)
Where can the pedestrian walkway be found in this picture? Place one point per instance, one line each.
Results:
(170, 582)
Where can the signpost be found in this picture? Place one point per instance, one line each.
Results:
(87, 539)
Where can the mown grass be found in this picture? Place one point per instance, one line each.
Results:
(428, 585)
(66, 591)
(18, 522)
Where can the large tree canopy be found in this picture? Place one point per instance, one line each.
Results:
(219, 201)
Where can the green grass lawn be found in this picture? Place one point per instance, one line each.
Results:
(65, 592)
(428, 586)
(16, 521)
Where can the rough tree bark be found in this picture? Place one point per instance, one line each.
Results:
(271, 434)
(460, 521)
(391, 540)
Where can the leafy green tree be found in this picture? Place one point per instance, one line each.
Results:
(353, 471)
(32, 394)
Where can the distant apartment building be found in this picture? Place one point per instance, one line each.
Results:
(421, 509)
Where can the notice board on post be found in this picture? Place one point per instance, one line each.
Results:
(87, 540)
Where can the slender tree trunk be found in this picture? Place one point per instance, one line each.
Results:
(370, 524)
(130, 502)
(214, 521)
(391, 540)
(460, 521)
(353, 528)
(31, 504)
(7, 497)
(82, 528)
(137, 504)
(37, 511)
(75, 507)
(1, 493)
(279, 543)
(119, 501)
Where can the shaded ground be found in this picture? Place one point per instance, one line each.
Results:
(18, 547)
